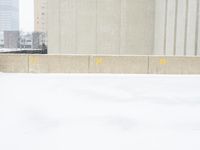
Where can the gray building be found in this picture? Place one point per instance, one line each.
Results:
(11, 39)
(26, 41)
(39, 38)
(22, 40)
(9, 15)
(32, 40)
(1, 39)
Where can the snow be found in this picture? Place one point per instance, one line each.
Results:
(99, 112)
(8, 50)
(4, 50)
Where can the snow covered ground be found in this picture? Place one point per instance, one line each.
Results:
(99, 112)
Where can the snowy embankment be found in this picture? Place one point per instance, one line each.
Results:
(99, 112)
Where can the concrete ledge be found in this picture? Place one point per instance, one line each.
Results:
(13, 63)
(119, 64)
(174, 65)
(99, 64)
(58, 64)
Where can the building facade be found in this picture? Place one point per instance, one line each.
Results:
(1, 39)
(9, 15)
(26, 41)
(40, 15)
(177, 27)
(124, 27)
(34, 40)
(11, 39)
(22, 40)
(101, 26)
(39, 39)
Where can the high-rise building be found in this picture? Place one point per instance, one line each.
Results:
(9, 15)
(40, 15)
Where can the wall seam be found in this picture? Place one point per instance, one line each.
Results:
(197, 30)
(89, 58)
(96, 51)
(60, 29)
(76, 27)
(175, 26)
(165, 27)
(28, 64)
(186, 27)
(148, 63)
(120, 27)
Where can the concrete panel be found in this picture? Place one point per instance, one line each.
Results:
(198, 29)
(14, 63)
(54, 26)
(159, 27)
(180, 31)
(119, 64)
(139, 27)
(101, 26)
(68, 27)
(181, 19)
(174, 65)
(86, 26)
(108, 26)
(170, 27)
(190, 49)
(99, 64)
(58, 64)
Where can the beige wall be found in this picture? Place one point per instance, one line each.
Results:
(101, 26)
(140, 27)
(177, 27)
(14, 63)
(99, 64)
(174, 65)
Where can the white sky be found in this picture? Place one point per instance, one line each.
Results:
(26, 15)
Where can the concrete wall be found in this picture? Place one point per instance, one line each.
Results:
(101, 26)
(87, 64)
(99, 64)
(119, 64)
(58, 64)
(177, 27)
(174, 65)
(14, 63)
(123, 27)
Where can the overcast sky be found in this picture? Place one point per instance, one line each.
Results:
(26, 15)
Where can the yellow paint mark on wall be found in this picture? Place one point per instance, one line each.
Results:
(99, 61)
(163, 61)
(33, 60)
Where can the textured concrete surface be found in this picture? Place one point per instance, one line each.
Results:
(101, 26)
(122, 27)
(14, 64)
(58, 64)
(177, 27)
(99, 64)
(53, 24)
(119, 64)
(174, 65)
